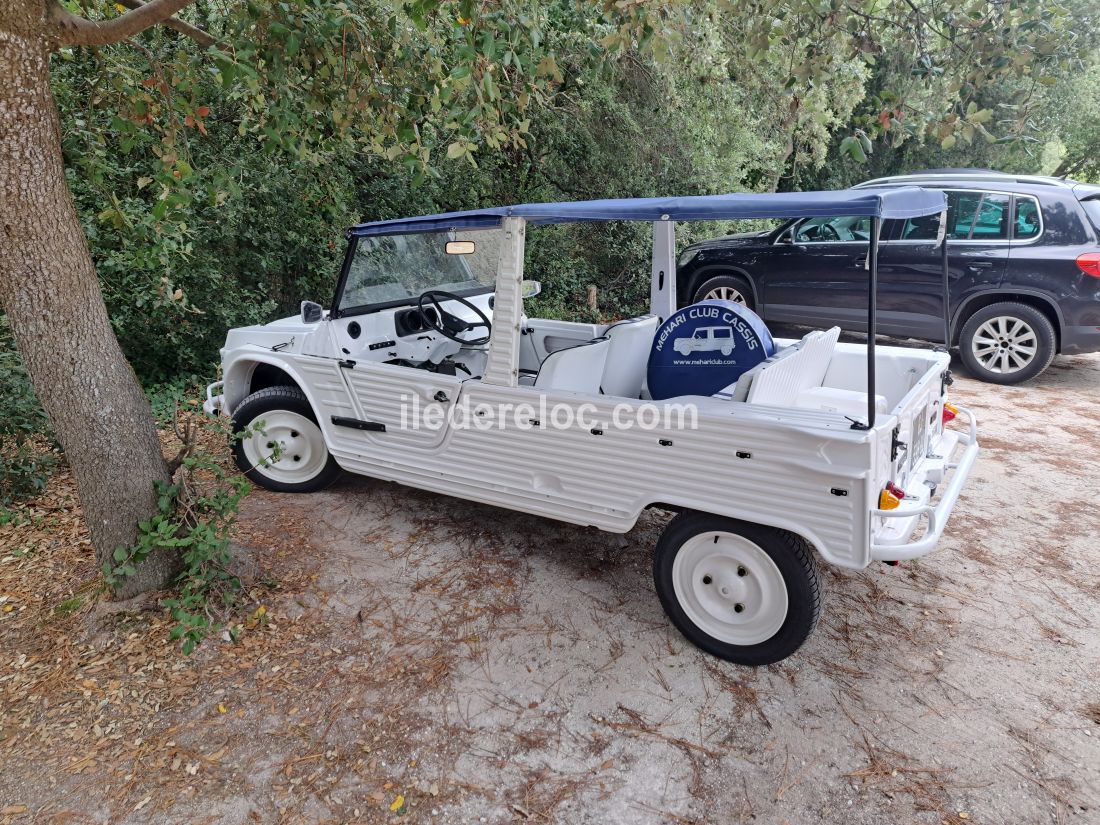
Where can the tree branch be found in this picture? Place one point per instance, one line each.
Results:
(79, 31)
(200, 36)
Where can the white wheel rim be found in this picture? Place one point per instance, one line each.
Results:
(302, 453)
(730, 588)
(1004, 344)
(725, 293)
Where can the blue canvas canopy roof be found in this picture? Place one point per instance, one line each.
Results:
(904, 202)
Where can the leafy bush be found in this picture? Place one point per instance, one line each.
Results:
(195, 514)
(26, 443)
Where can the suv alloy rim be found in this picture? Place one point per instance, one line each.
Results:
(302, 453)
(1004, 344)
(729, 588)
(725, 293)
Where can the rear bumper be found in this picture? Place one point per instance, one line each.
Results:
(1080, 340)
(892, 544)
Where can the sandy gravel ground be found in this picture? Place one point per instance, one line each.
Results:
(423, 659)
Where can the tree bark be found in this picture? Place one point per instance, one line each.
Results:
(49, 289)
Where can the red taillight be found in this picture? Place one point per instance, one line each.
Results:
(895, 489)
(1089, 263)
(949, 412)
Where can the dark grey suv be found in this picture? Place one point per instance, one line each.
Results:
(1024, 258)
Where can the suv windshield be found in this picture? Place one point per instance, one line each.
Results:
(389, 270)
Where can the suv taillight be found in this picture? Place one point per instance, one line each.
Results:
(1089, 263)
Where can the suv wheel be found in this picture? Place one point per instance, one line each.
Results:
(1007, 343)
(743, 592)
(285, 450)
(725, 288)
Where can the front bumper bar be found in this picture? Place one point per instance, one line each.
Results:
(938, 514)
(214, 404)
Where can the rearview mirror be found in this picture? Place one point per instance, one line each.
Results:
(529, 289)
(460, 247)
(311, 312)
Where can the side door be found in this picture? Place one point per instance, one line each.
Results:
(815, 274)
(910, 272)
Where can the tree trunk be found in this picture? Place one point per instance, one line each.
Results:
(48, 287)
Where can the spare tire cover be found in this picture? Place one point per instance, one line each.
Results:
(705, 347)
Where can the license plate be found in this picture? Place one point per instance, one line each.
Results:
(919, 442)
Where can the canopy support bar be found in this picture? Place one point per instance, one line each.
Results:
(872, 320)
(946, 282)
(662, 289)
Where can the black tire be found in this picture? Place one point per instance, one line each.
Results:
(725, 281)
(1044, 340)
(264, 402)
(791, 554)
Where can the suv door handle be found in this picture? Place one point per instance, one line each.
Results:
(979, 265)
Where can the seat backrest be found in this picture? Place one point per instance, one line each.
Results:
(574, 369)
(628, 356)
(780, 379)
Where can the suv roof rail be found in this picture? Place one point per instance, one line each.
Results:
(933, 175)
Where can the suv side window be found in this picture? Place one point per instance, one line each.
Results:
(974, 216)
(1027, 222)
(991, 221)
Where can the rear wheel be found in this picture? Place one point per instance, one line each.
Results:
(280, 445)
(725, 288)
(743, 592)
(1007, 342)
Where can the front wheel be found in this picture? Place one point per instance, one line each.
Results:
(279, 445)
(725, 288)
(1007, 342)
(743, 592)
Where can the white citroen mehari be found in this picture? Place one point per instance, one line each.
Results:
(426, 371)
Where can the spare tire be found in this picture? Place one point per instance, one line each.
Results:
(705, 347)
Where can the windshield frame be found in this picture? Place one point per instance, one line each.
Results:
(336, 311)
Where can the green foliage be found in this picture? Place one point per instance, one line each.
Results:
(194, 517)
(25, 440)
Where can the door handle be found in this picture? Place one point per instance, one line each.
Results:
(979, 265)
(441, 397)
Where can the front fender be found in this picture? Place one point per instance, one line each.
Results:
(238, 366)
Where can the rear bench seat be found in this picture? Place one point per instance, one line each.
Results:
(779, 380)
(792, 378)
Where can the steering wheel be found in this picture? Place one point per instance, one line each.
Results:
(448, 325)
(828, 232)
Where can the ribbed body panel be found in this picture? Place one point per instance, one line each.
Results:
(606, 480)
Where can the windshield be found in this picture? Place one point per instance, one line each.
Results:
(389, 270)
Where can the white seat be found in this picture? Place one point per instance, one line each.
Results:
(628, 355)
(574, 369)
(779, 380)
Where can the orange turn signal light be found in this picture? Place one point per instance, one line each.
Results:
(891, 497)
(949, 412)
